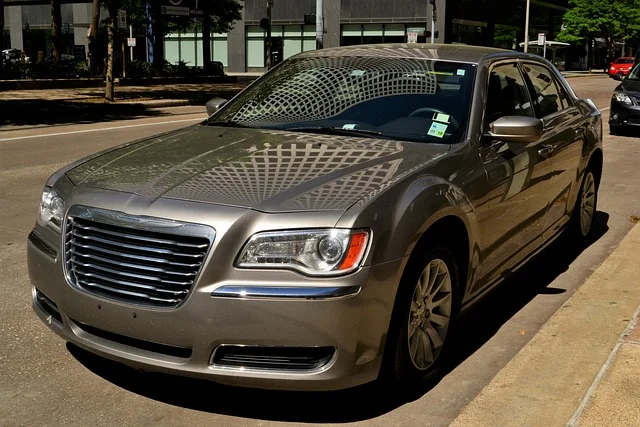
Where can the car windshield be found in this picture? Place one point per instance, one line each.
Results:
(625, 61)
(395, 98)
(634, 74)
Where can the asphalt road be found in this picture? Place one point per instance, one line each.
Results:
(45, 382)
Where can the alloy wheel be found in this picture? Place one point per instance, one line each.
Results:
(430, 314)
(587, 203)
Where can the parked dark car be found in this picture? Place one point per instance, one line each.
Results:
(621, 67)
(325, 227)
(625, 103)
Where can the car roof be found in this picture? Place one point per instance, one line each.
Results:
(445, 52)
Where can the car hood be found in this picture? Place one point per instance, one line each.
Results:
(266, 170)
(631, 86)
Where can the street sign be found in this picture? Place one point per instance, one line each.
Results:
(182, 7)
(131, 41)
(122, 18)
(412, 37)
(175, 10)
(542, 39)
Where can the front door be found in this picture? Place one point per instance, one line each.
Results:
(518, 174)
(564, 135)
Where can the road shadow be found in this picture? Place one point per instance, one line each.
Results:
(360, 403)
(49, 113)
(131, 103)
(628, 131)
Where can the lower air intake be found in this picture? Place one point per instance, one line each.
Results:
(273, 358)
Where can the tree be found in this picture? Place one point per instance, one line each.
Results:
(56, 24)
(112, 7)
(1, 35)
(93, 31)
(614, 20)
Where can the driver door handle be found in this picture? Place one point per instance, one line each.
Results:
(546, 150)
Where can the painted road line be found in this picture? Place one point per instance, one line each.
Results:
(100, 129)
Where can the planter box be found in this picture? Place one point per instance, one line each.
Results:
(91, 83)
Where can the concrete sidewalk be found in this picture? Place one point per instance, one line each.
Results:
(583, 366)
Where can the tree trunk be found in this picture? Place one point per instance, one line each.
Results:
(93, 31)
(1, 32)
(206, 42)
(109, 90)
(56, 24)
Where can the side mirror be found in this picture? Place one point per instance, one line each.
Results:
(214, 105)
(516, 129)
(617, 76)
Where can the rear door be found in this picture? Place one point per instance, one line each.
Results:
(563, 135)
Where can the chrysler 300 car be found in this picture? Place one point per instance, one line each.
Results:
(324, 228)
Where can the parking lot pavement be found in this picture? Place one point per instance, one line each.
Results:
(44, 382)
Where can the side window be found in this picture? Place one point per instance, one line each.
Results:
(548, 97)
(506, 94)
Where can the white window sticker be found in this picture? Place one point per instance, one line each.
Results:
(461, 72)
(440, 117)
(358, 73)
(437, 129)
(348, 126)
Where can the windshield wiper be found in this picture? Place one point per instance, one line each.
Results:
(336, 130)
(228, 124)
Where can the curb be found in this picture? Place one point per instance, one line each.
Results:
(162, 103)
(551, 377)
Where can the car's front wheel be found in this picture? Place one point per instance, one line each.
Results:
(427, 308)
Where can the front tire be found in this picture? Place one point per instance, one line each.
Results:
(426, 309)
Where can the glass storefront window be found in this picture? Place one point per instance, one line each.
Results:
(394, 33)
(351, 34)
(172, 51)
(372, 33)
(187, 47)
(255, 47)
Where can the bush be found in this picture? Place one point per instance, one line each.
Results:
(140, 69)
(72, 68)
(69, 69)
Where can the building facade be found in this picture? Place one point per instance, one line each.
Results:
(498, 23)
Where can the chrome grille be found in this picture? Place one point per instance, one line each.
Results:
(133, 259)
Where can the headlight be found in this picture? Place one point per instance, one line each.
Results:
(622, 97)
(314, 252)
(51, 209)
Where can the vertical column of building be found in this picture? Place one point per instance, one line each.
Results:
(81, 17)
(237, 46)
(15, 26)
(332, 23)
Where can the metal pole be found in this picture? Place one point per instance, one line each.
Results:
(131, 47)
(319, 24)
(544, 49)
(526, 28)
(269, 5)
(433, 22)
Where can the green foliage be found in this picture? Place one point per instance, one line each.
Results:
(614, 20)
(223, 14)
(69, 69)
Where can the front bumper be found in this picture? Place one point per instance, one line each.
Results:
(354, 325)
(624, 115)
